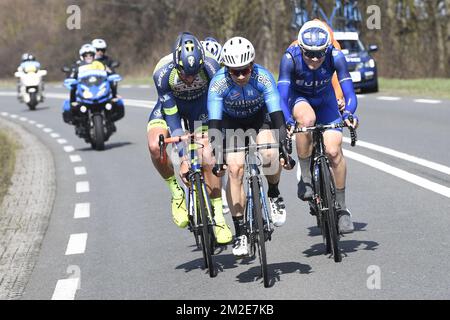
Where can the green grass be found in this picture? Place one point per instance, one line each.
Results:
(8, 149)
(420, 88)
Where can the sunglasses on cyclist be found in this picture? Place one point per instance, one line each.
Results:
(238, 72)
(315, 54)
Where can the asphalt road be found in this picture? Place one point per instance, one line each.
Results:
(129, 248)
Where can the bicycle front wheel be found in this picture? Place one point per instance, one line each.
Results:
(260, 239)
(331, 225)
(206, 229)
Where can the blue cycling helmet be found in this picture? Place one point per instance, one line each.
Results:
(188, 54)
(314, 36)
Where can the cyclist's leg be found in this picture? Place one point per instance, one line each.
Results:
(329, 113)
(272, 171)
(305, 116)
(157, 126)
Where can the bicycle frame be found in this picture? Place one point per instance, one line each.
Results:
(195, 168)
(253, 172)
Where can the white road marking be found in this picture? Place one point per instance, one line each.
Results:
(144, 87)
(389, 98)
(14, 116)
(82, 210)
(126, 86)
(31, 122)
(47, 130)
(77, 244)
(82, 187)
(430, 101)
(403, 156)
(62, 141)
(402, 174)
(55, 135)
(79, 171)
(360, 96)
(75, 158)
(23, 119)
(5, 114)
(69, 149)
(40, 126)
(66, 289)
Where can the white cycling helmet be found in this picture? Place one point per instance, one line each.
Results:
(212, 47)
(238, 52)
(314, 36)
(99, 44)
(87, 48)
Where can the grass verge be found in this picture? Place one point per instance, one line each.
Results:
(438, 88)
(8, 149)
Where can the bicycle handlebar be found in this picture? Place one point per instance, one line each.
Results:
(323, 127)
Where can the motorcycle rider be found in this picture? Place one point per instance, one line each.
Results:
(28, 64)
(101, 46)
(87, 57)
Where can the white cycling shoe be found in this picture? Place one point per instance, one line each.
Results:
(240, 247)
(277, 211)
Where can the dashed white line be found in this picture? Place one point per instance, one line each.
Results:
(82, 210)
(77, 244)
(402, 174)
(403, 156)
(75, 158)
(23, 119)
(40, 126)
(429, 101)
(144, 87)
(389, 98)
(47, 130)
(69, 149)
(14, 116)
(79, 171)
(54, 135)
(31, 122)
(126, 86)
(62, 141)
(82, 187)
(66, 289)
(5, 114)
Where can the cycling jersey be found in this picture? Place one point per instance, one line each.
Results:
(242, 102)
(298, 82)
(253, 106)
(178, 100)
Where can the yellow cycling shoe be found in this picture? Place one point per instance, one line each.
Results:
(179, 212)
(223, 233)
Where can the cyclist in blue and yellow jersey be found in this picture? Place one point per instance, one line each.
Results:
(182, 80)
(307, 96)
(244, 96)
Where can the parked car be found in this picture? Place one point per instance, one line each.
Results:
(362, 66)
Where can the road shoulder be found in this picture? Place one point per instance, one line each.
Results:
(25, 211)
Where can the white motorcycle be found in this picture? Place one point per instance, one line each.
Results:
(31, 86)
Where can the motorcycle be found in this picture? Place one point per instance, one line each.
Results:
(31, 86)
(95, 111)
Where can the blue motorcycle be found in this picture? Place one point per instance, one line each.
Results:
(95, 111)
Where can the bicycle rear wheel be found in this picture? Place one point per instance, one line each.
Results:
(260, 239)
(331, 226)
(205, 234)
